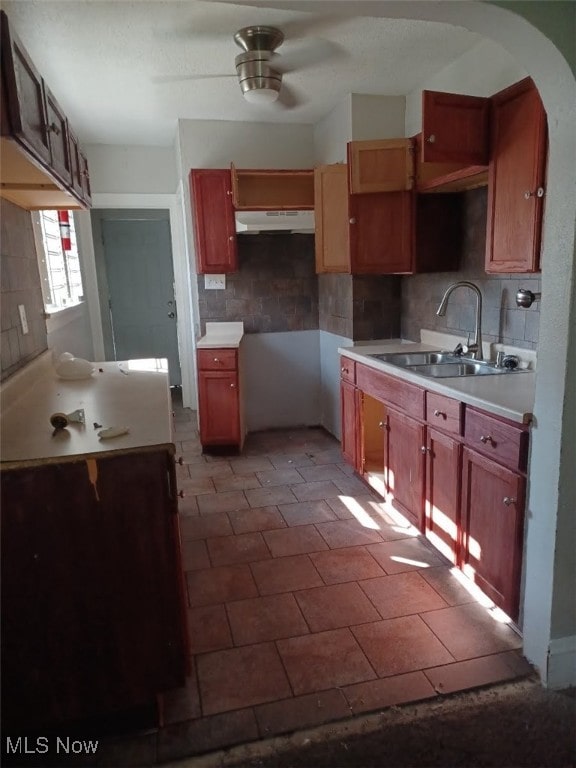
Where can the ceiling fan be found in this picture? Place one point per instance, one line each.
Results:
(259, 68)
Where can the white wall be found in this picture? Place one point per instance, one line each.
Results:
(69, 331)
(332, 132)
(377, 117)
(330, 385)
(282, 379)
(138, 169)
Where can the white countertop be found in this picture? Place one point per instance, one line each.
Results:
(509, 395)
(134, 394)
(221, 336)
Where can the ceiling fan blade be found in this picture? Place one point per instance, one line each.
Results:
(306, 56)
(182, 78)
(289, 98)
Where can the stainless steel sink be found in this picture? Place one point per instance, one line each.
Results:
(406, 359)
(442, 365)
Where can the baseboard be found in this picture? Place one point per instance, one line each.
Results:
(562, 663)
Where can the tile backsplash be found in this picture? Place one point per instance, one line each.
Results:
(19, 284)
(502, 320)
(275, 289)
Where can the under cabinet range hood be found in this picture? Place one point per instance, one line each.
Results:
(252, 222)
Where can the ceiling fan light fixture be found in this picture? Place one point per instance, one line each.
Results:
(261, 95)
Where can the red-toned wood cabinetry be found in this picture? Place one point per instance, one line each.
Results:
(214, 226)
(36, 162)
(455, 472)
(219, 410)
(516, 180)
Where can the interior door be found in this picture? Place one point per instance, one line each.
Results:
(138, 258)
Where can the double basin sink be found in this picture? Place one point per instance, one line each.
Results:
(441, 365)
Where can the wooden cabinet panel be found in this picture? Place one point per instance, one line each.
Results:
(91, 585)
(218, 408)
(455, 128)
(214, 226)
(503, 442)
(404, 464)
(59, 143)
(406, 397)
(444, 413)
(380, 166)
(492, 528)
(332, 238)
(269, 190)
(517, 171)
(382, 233)
(218, 359)
(350, 423)
(446, 177)
(348, 369)
(442, 495)
(84, 177)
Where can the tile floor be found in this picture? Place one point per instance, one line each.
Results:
(310, 600)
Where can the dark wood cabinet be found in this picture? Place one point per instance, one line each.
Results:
(36, 154)
(91, 588)
(213, 216)
(442, 493)
(492, 528)
(219, 405)
(516, 180)
(455, 128)
(350, 414)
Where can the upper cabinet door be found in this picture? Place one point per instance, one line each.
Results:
(58, 132)
(516, 180)
(380, 166)
(214, 226)
(24, 95)
(455, 128)
(331, 218)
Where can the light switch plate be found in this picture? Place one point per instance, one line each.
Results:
(217, 282)
(23, 320)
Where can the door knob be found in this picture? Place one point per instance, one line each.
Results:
(171, 314)
(509, 500)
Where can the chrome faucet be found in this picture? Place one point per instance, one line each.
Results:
(474, 349)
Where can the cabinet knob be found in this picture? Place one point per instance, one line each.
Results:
(509, 500)
(54, 128)
(353, 220)
(344, 370)
(431, 139)
(181, 494)
(486, 439)
(216, 360)
(232, 237)
(228, 191)
(380, 424)
(440, 414)
(180, 460)
(537, 193)
(423, 449)
(232, 386)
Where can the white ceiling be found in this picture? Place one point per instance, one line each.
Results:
(123, 71)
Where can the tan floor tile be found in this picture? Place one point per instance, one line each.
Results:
(349, 564)
(301, 712)
(306, 512)
(320, 472)
(236, 482)
(265, 497)
(194, 555)
(470, 674)
(348, 533)
(243, 548)
(220, 585)
(256, 519)
(208, 629)
(273, 477)
(205, 527)
(323, 489)
(285, 574)
(294, 541)
(402, 594)
(265, 618)
(447, 585)
(227, 501)
(388, 692)
(339, 605)
(405, 555)
(182, 704)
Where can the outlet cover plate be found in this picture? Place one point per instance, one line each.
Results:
(216, 282)
(23, 320)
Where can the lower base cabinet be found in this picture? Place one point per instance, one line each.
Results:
(492, 528)
(219, 410)
(92, 599)
(457, 475)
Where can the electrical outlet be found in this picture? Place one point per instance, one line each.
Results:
(23, 320)
(217, 282)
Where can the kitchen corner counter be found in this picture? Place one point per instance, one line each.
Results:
(508, 395)
(222, 336)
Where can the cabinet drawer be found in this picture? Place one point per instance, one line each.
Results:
(444, 413)
(406, 397)
(217, 359)
(348, 370)
(505, 443)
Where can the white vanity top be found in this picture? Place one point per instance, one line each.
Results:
(133, 394)
(221, 336)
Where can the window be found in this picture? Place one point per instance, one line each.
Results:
(58, 259)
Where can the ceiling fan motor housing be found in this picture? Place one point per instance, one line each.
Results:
(253, 66)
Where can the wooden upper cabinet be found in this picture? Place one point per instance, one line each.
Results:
(263, 189)
(332, 239)
(380, 166)
(382, 233)
(455, 128)
(24, 95)
(516, 175)
(214, 226)
(59, 142)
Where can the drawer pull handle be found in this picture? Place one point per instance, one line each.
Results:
(509, 500)
(486, 439)
(439, 413)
